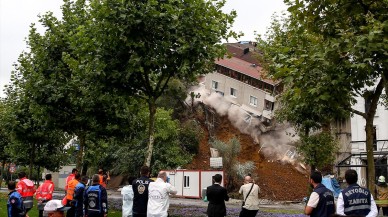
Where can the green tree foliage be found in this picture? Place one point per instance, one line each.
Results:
(318, 149)
(327, 53)
(229, 152)
(128, 156)
(53, 76)
(137, 47)
(31, 141)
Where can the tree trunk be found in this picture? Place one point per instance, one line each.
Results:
(84, 168)
(2, 172)
(369, 153)
(80, 154)
(369, 118)
(32, 159)
(151, 131)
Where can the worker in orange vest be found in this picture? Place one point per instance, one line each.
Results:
(26, 189)
(70, 177)
(44, 193)
(70, 195)
(104, 178)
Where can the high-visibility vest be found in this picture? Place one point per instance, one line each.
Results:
(68, 179)
(45, 191)
(102, 183)
(71, 189)
(25, 187)
(382, 194)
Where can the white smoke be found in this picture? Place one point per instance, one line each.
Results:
(275, 144)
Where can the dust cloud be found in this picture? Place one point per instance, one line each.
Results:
(276, 141)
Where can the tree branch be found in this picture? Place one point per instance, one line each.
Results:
(362, 114)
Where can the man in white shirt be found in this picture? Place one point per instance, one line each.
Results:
(158, 196)
(250, 193)
(127, 193)
(355, 200)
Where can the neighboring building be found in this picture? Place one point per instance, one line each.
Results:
(242, 82)
(357, 158)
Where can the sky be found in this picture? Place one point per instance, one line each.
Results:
(16, 17)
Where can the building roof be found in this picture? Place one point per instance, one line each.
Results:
(245, 51)
(245, 68)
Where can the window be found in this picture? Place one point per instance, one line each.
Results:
(268, 105)
(214, 85)
(253, 101)
(186, 182)
(233, 92)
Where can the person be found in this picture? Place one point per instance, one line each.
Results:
(15, 206)
(55, 208)
(250, 192)
(70, 194)
(26, 189)
(70, 177)
(104, 178)
(382, 194)
(321, 202)
(96, 199)
(140, 193)
(79, 196)
(355, 200)
(216, 195)
(44, 193)
(158, 196)
(127, 193)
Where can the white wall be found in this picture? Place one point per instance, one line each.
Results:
(358, 127)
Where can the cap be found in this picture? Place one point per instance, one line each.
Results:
(381, 179)
(55, 205)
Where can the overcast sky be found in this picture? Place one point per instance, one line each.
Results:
(17, 15)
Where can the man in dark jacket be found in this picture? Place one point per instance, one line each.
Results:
(79, 197)
(321, 202)
(96, 199)
(15, 206)
(355, 200)
(216, 195)
(140, 193)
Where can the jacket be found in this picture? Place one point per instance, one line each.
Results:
(140, 195)
(68, 179)
(95, 201)
(325, 206)
(357, 200)
(70, 189)
(45, 191)
(26, 189)
(216, 195)
(15, 206)
(78, 198)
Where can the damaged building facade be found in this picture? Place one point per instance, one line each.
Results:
(239, 79)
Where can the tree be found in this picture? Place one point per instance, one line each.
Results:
(52, 76)
(229, 152)
(31, 141)
(137, 47)
(318, 149)
(339, 57)
(169, 152)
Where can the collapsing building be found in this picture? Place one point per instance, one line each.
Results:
(240, 80)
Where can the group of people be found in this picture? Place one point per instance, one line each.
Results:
(79, 200)
(353, 201)
(146, 197)
(217, 195)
